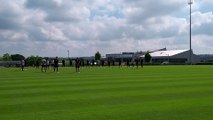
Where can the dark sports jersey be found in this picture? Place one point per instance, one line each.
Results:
(56, 62)
(78, 62)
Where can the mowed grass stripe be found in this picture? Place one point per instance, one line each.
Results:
(107, 93)
(71, 95)
(141, 106)
(106, 83)
(101, 87)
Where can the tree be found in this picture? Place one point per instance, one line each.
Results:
(6, 57)
(31, 60)
(17, 57)
(97, 56)
(148, 57)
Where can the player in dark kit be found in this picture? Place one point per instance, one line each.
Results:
(63, 63)
(119, 63)
(77, 65)
(142, 63)
(108, 63)
(37, 64)
(102, 63)
(44, 65)
(56, 64)
(22, 65)
(87, 63)
(127, 63)
(136, 62)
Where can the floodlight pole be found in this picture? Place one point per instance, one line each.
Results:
(68, 54)
(190, 2)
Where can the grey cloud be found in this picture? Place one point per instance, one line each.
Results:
(205, 28)
(9, 18)
(142, 10)
(41, 4)
(7, 24)
(65, 12)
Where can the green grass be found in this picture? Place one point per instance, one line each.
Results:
(151, 93)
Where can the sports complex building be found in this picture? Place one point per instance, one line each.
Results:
(161, 56)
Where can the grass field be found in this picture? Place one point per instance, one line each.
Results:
(151, 93)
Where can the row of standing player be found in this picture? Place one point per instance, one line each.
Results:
(128, 63)
(45, 65)
(54, 63)
(120, 63)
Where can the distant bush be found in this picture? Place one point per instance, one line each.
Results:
(205, 63)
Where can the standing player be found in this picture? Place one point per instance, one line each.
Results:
(22, 64)
(63, 63)
(44, 65)
(56, 64)
(102, 63)
(87, 63)
(127, 63)
(108, 63)
(47, 64)
(77, 65)
(119, 63)
(70, 62)
(142, 63)
(37, 64)
(136, 62)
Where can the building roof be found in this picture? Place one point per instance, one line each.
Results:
(167, 53)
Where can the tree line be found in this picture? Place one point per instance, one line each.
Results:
(32, 59)
(18, 57)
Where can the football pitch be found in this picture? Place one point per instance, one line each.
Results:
(103, 93)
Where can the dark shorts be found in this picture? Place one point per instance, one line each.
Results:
(77, 66)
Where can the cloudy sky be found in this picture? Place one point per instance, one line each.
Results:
(52, 27)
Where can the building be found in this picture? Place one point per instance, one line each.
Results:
(160, 56)
(173, 57)
(120, 56)
(206, 57)
(10, 63)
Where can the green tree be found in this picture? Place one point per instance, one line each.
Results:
(148, 57)
(31, 60)
(97, 56)
(6, 57)
(17, 57)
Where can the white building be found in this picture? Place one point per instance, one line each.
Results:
(173, 57)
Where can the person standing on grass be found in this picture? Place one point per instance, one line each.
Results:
(63, 63)
(108, 63)
(52, 64)
(142, 63)
(119, 63)
(44, 65)
(37, 64)
(82, 63)
(77, 65)
(47, 64)
(56, 64)
(127, 63)
(102, 63)
(22, 65)
(113, 62)
(87, 63)
(70, 62)
(136, 62)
